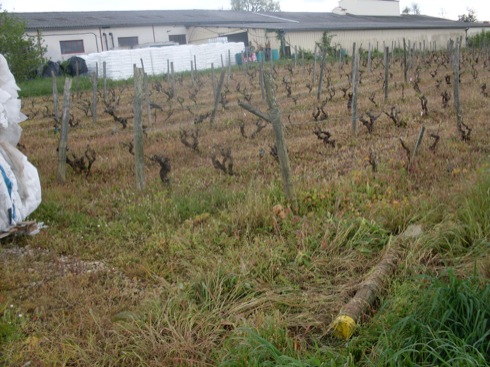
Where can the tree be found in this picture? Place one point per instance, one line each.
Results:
(23, 54)
(255, 5)
(468, 18)
(414, 8)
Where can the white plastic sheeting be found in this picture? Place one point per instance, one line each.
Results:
(20, 188)
(119, 63)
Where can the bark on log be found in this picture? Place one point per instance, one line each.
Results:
(344, 325)
(370, 289)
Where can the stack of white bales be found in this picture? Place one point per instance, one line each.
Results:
(20, 188)
(120, 63)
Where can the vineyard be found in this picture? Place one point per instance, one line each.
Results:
(209, 261)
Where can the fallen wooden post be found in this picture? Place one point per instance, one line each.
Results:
(370, 289)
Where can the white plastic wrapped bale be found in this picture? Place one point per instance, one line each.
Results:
(119, 63)
(20, 188)
(10, 115)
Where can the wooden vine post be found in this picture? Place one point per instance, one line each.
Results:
(77, 80)
(417, 145)
(405, 60)
(192, 72)
(369, 59)
(353, 58)
(55, 98)
(229, 68)
(172, 77)
(213, 80)
(104, 78)
(261, 78)
(355, 85)
(147, 97)
(63, 144)
(314, 67)
(94, 97)
(387, 70)
(320, 80)
(303, 63)
(275, 119)
(457, 101)
(138, 128)
(217, 96)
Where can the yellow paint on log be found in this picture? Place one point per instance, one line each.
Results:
(343, 327)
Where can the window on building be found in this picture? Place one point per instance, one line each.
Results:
(72, 47)
(128, 42)
(179, 38)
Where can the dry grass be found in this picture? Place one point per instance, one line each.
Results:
(167, 276)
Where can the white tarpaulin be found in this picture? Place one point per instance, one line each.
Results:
(119, 63)
(20, 188)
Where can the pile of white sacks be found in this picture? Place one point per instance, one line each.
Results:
(119, 63)
(20, 188)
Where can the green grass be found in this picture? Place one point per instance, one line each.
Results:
(217, 270)
(11, 327)
(467, 228)
(44, 86)
(444, 323)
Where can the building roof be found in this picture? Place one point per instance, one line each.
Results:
(103, 19)
(330, 21)
(225, 18)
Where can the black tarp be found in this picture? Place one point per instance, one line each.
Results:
(49, 67)
(71, 66)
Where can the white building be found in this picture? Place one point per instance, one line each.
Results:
(374, 22)
(369, 7)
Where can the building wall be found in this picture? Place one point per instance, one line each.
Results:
(94, 39)
(99, 39)
(377, 38)
(201, 35)
(260, 38)
(475, 31)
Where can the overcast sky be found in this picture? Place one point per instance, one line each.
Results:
(439, 8)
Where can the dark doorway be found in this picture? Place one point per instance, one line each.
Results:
(238, 37)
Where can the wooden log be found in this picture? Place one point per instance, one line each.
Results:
(370, 289)
(344, 325)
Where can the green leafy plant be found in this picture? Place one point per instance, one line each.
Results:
(24, 55)
(479, 40)
(445, 324)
